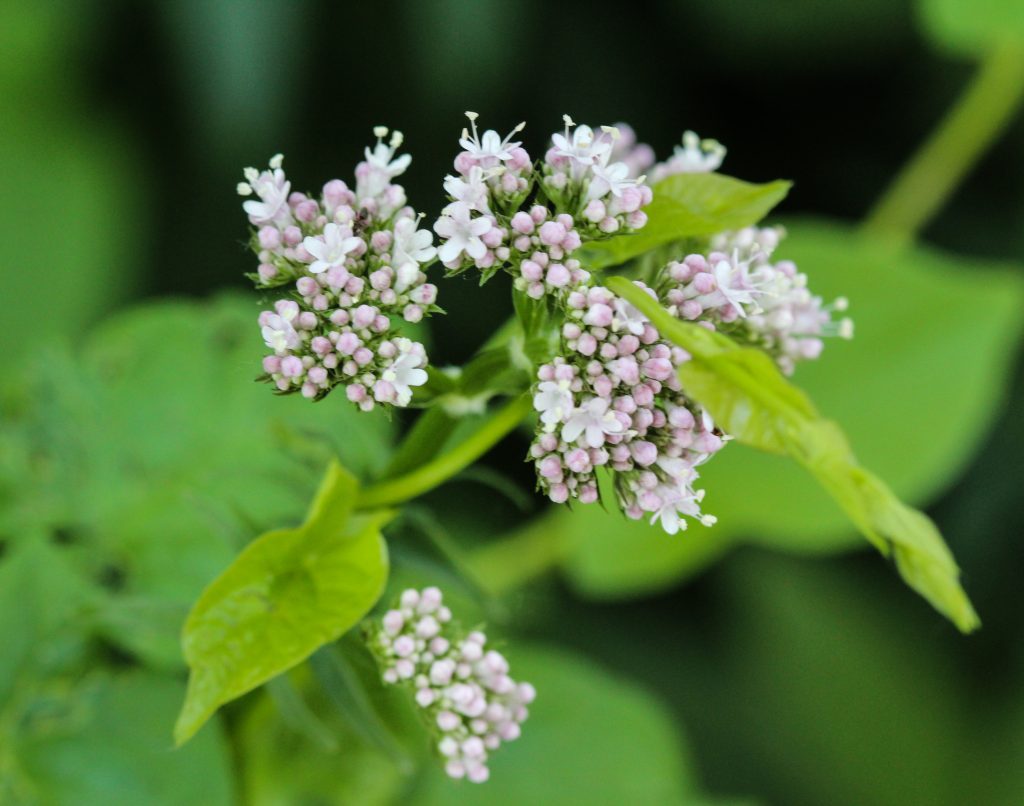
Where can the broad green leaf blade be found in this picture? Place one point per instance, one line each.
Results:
(973, 26)
(288, 593)
(689, 205)
(750, 399)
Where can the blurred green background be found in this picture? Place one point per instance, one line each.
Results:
(765, 661)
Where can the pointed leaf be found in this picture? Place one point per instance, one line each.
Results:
(288, 593)
(748, 396)
(688, 205)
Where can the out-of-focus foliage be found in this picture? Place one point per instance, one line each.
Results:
(74, 206)
(973, 26)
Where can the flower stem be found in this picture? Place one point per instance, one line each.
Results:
(428, 476)
(973, 124)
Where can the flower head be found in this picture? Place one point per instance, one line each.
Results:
(490, 149)
(463, 687)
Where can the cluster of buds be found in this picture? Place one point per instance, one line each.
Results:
(613, 400)
(739, 290)
(464, 689)
(347, 263)
(581, 195)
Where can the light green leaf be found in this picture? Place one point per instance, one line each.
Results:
(591, 738)
(973, 26)
(105, 744)
(889, 387)
(748, 396)
(689, 205)
(288, 593)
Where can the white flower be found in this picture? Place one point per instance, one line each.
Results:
(472, 191)
(612, 178)
(628, 317)
(272, 187)
(331, 249)
(410, 248)
(406, 373)
(734, 284)
(461, 233)
(490, 147)
(693, 157)
(278, 333)
(554, 402)
(592, 419)
(381, 165)
(582, 147)
(676, 502)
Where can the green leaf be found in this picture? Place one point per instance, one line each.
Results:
(689, 205)
(288, 593)
(104, 743)
(972, 26)
(592, 737)
(889, 387)
(748, 396)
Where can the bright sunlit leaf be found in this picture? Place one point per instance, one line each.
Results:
(751, 400)
(288, 593)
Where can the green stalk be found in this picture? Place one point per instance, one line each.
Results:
(433, 473)
(971, 126)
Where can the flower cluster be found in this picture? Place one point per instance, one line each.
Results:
(613, 400)
(738, 289)
(579, 192)
(348, 263)
(463, 687)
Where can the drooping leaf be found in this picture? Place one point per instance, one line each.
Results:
(751, 400)
(890, 388)
(288, 593)
(688, 205)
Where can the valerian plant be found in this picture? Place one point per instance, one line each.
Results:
(654, 325)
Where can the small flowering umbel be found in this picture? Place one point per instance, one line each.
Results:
(505, 212)
(612, 400)
(346, 264)
(469, 702)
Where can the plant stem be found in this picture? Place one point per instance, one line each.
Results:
(973, 124)
(430, 475)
